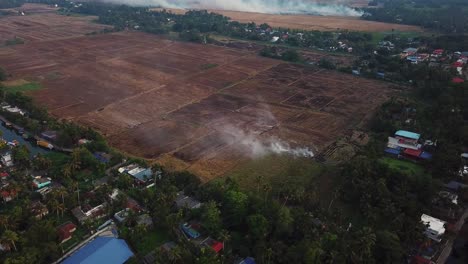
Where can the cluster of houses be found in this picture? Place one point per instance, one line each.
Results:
(406, 144)
(283, 36)
(193, 231)
(445, 207)
(439, 57)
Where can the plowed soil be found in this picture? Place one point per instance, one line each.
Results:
(189, 106)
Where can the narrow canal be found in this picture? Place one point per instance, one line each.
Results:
(10, 135)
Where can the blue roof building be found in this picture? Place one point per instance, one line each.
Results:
(248, 260)
(392, 151)
(407, 134)
(101, 250)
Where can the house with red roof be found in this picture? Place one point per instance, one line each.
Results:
(4, 175)
(8, 195)
(438, 52)
(457, 64)
(65, 231)
(213, 244)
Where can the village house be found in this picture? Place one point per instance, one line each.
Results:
(184, 201)
(6, 159)
(38, 209)
(435, 227)
(8, 195)
(65, 231)
(213, 244)
(141, 175)
(41, 182)
(85, 212)
(145, 220)
(49, 135)
(190, 231)
(102, 157)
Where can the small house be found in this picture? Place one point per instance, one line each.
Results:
(41, 182)
(6, 159)
(102, 157)
(38, 209)
(435, 227)
(145, 220)
(183, 201)
(190, 230)
(213, 244)
(8, 195)
(65, 231)
(141, 174)
(122, 215)
(85, 212)
(49, 135)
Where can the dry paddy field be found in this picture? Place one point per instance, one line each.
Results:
(42, 23)
(189, 106)
(309, 22)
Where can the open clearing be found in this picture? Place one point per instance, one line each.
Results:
(42, 23)
(186, 105)
(309, 22)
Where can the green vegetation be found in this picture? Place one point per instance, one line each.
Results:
(3, 75)
(151, 240)
(402, 166)
(272, 170)
(208, 66)
(450, 16)
(30, 86)
(14, 41)
(290, 55)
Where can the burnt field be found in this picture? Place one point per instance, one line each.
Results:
(190, 106)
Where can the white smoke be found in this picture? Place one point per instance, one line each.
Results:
(255, 146)
(331, 8)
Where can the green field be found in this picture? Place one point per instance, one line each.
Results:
(32, 86)
(151, 240)
(406, 167)
(379, 36)
(276, 170)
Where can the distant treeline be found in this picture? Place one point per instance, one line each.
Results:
(450, 16)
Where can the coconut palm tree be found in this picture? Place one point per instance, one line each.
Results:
(62, 192)
(11, 238)
(76, 187)
(54, 206)
(67, 171)
(5, 221)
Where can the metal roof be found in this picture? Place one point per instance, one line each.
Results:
(407, 134)
(101, 250)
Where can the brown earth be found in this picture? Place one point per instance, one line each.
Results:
(41, 26)
(186, 105)
(309, 22)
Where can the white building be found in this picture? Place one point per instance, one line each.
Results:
(7, 160)
(435, 227)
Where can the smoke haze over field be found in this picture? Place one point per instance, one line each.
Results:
(326, 8)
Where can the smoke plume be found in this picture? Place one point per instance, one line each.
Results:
(314, 7)
(252, 144)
